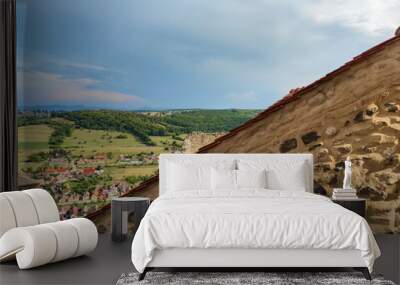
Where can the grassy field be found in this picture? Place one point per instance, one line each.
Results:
(88, 142)
(159, 140)
(119, 173)
(34, 138)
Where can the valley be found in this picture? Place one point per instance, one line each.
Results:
(84, 158)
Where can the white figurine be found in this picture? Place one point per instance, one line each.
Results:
(347, 174)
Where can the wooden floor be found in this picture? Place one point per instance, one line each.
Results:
(111, 259)
(103, 266)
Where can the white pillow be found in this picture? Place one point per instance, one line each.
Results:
(223, 179)
(182, 177)
(294, 180)
(190, 174)
(251, 178)
(281, 174)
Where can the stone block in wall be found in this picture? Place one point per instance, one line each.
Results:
(385, 180)
(371, 193)
(343, 149)
(381, 121)
(360, 117)
(392, 107)
(380, 138)
(288, 145)
(310, 137)
(372, 109)
(330, 131)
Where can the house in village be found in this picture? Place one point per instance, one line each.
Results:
(88, 171)
(100, 157)
(55, 170)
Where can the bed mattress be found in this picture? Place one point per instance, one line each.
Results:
(250, 219)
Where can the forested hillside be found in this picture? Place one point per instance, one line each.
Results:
(208, 121)
(142, 125)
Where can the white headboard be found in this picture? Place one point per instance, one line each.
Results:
(213, 157)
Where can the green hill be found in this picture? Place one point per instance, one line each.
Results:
(143, 125)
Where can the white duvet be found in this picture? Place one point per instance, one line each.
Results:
(250, 219)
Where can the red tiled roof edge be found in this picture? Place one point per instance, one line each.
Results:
(293, 95)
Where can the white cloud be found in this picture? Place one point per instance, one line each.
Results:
(41, 59)
(79, 65)
(373, 17)
(48, 88)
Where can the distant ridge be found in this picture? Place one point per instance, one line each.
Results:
(52, 108)
(70, 108)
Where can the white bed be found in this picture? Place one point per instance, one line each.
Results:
(249, 227)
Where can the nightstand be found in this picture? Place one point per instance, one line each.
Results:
(358, 205)
(121, 209)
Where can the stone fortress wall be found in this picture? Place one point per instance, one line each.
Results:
(355, 114)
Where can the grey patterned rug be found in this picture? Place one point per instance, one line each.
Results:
(269, 278)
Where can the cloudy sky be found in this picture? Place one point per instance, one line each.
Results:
(132, 54)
